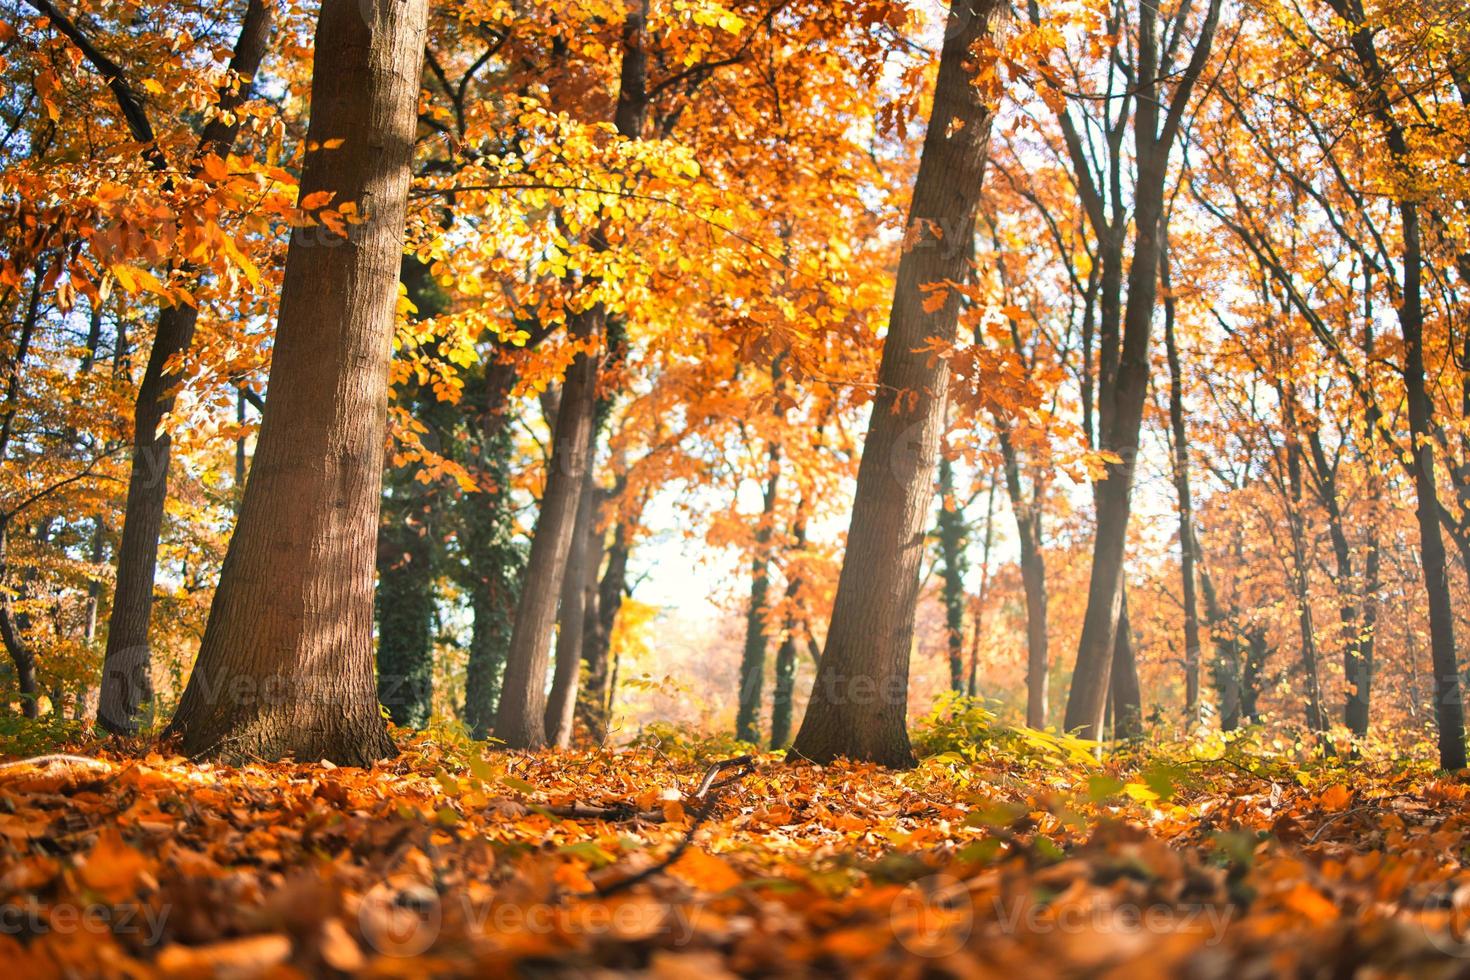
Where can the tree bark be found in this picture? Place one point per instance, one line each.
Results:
(286, 664)
(859, 700)
(127, 682)
(562, 702)
(521, 720)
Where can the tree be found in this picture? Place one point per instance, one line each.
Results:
(520, 721)
(859, 699)
(126, 679)
(1156, 126)
(286, 663)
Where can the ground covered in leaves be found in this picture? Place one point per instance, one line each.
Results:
(1007, 857)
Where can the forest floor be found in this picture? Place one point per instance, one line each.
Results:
(1009, 857)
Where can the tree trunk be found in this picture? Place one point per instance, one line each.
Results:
(127, 682)
(1186, 501)
(494, 560)
(593, 700)
(951, 534)
(859, 701)
(562, 702)
(753, 656)
(1449, 707)
(1033, 583)
(1127, 697)
(1121, 410)
(520, 722)
(286, 664)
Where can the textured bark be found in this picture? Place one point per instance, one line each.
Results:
(859, 701)
(127, 682)
(1121, 410)
(561, 704)
(520, 722)
(286, 664)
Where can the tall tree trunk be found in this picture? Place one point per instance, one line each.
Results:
(982, 595)
(127, 682)
(1122, 413)
(562, 702)
(286, 664)
(1182, 493)
(521, 719)
(951, 534)
(404, 601)
(1449, 706)
(494, 560)
(859, 700)
(753, 656)
(593, 700)
(1033, 582)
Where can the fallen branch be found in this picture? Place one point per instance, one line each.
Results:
(707, 786)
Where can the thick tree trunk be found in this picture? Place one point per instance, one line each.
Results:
(127, 682)
(562, 702)
(286, 664)
(859, 701)
(521, 720)
(753, 655)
